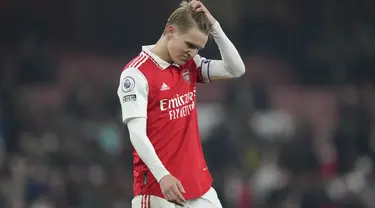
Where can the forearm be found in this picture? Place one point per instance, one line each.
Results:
(231, 59)
(144, 148)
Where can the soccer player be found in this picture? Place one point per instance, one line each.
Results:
(157, 92)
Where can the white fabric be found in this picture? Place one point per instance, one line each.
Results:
(231, 65)
(158, 61)
(133, 94)
(144, 148)
(208, 200)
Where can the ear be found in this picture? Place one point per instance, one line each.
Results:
(171, 30)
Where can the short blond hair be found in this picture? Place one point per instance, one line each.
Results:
(184, 17)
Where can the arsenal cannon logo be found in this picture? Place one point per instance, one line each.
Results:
(186, 75)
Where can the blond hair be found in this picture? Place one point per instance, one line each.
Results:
(185, 17)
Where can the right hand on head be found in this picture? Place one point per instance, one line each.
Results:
(172, 189)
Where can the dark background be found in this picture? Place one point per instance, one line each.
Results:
(296, 131)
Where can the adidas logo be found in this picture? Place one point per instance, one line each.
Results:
(164, 87)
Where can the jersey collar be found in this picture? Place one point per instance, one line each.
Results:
(156, 59)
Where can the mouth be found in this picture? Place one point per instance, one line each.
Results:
(185, 58)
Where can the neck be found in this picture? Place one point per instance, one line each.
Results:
(160, 49)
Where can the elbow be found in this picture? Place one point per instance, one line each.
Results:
(240, 70)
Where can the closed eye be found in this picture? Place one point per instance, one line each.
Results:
(193, 46)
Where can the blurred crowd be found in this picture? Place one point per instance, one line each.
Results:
(298, 130)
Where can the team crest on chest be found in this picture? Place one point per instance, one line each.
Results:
(186, 75)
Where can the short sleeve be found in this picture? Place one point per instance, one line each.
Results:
(203, 69)
(133, 94)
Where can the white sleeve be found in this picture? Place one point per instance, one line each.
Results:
(231, 65)
(144, 148)
(133, 94)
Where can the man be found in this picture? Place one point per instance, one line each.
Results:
(157, 95)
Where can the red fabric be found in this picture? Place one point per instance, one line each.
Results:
(172, 127)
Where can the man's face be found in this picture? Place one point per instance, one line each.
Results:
(183, 46)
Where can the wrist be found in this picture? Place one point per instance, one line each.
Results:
(215, 27)
(213, 22)
(160, 176)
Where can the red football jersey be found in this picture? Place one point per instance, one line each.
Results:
(166, 94)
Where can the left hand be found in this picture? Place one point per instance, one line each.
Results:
(199, 7)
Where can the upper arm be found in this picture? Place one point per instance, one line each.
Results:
(211, 70)
(203, 71)
(133, 94)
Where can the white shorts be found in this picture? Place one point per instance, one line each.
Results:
(208, 200)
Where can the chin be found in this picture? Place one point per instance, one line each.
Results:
(180, 62)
